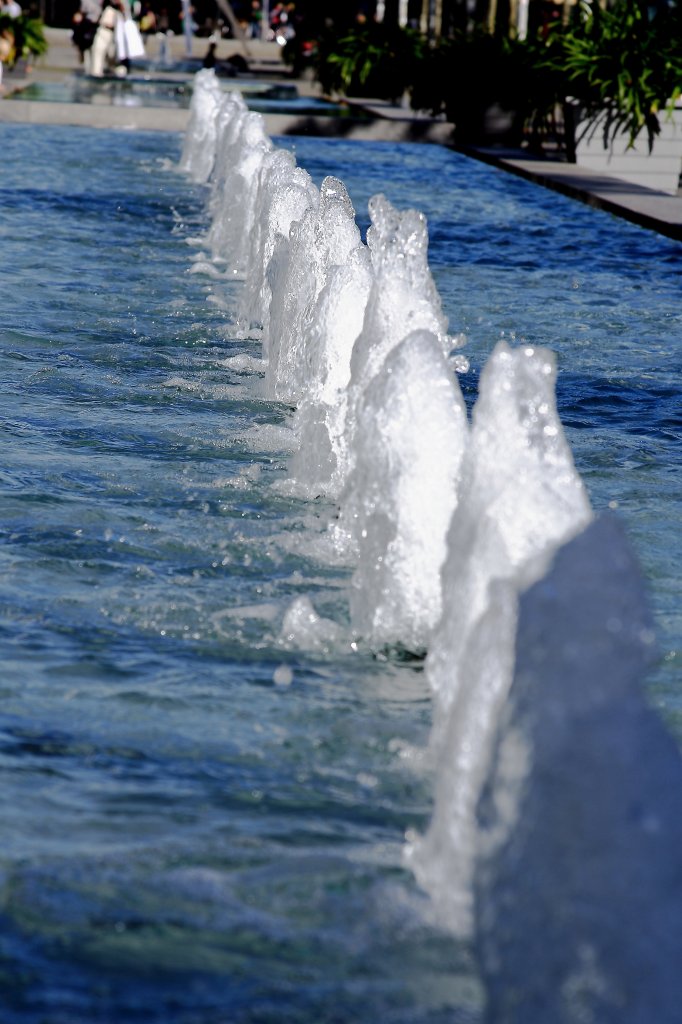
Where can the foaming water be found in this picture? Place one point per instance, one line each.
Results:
(213, 744)
(447, 525)
(521, 498)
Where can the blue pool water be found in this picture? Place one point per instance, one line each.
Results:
(191, 834)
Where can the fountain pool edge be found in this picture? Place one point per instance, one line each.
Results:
(378, 129)
(656, 211)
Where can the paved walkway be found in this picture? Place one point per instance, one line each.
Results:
(650, 209)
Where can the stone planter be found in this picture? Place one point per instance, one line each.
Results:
(486, 125)
(659, 169)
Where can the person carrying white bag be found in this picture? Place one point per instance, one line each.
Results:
(129, 42)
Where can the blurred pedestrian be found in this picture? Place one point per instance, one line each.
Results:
(84, 30)
(103, 44)
(11, 8)
(148, 24)
(163, 31)
(210, 57)
(129, 42)
(6, 51)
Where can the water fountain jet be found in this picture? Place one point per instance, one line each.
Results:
(448, 525)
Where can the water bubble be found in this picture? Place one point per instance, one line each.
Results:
(283, 676)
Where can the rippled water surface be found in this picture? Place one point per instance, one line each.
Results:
(199, 825)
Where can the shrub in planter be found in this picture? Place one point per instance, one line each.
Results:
(24, 36)
(490, 87)
(621, 67)
(375, 60)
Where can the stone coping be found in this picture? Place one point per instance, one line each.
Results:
(646, 207)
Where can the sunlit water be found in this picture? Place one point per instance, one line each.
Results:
(199, 824)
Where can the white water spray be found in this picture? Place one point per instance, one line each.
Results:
(520, 500)
(325, 237)
(447, 524)
(410, 434)
(242, 148)
(199, 149)
(578, 887)
(284, 193)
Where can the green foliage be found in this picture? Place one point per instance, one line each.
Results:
(371, 60)
(33, 39)
(621, 66)
(27, 34)
(472, 72)
(620, 62)
(462, 78)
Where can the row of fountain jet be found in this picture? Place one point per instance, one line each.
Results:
(447, 521)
